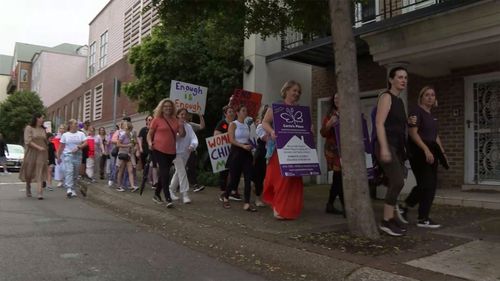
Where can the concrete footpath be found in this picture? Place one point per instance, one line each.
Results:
(318, 246)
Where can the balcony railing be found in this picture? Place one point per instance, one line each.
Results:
(365, 13)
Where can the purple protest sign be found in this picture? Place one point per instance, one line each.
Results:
(295, 142)
(366, 142)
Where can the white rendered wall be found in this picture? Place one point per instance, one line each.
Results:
(268, 78)
(4, 81)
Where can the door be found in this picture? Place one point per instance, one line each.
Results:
(482, 129)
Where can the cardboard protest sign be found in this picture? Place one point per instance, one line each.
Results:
(367, 144)
(219, 147)
(250, 99)
(189, 96)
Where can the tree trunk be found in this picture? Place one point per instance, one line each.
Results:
(360, 216)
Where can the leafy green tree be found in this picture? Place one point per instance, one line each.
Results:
(16, 112)
(200, 55)
(314, 18)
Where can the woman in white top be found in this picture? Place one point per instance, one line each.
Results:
(184, 147)
(240, 158)
(72, 143)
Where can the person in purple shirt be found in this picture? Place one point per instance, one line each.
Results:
(425, 149)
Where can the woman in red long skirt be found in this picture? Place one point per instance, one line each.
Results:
(284, 194)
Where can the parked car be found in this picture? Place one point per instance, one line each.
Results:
(14, 157)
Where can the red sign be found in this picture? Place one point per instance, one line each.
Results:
(250, 99)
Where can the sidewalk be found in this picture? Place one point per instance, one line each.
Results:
(317, 246)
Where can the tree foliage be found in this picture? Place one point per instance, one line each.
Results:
(200, 55)
(16, 112)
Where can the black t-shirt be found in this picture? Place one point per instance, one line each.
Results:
(143, 134)
(427, 124)
(222, 126)
(52, 153)
(3, 148)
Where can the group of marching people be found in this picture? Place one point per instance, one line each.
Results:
(396, 138)
(169, 139)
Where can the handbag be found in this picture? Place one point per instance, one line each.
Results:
(124, 156)
(114, 152)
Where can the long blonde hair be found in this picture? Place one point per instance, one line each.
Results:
(159, 108)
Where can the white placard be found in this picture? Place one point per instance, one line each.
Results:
(189, 96)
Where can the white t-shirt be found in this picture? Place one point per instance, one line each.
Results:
(72, 140)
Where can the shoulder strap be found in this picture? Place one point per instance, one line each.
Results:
(171, 129)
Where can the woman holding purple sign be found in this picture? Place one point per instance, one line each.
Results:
(284, 194)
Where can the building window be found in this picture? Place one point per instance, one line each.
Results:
(71, 110)
(87, 105)
(24, 75)
(79, 108)
(103, 50)
(92, 59)
(98, 102)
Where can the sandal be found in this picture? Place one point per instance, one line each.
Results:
(226, 205)
(250, 208)
(277, 216)
(28, 191)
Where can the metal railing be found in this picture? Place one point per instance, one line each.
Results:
(367, 12)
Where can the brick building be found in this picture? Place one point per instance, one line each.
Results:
(120, 25)
(452, 45)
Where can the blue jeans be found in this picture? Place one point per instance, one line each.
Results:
(72, 163)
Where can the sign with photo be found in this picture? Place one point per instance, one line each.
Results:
(295, 141)
(189, 96)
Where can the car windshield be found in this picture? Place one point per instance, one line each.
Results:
(17, 149)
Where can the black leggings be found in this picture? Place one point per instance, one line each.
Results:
(336, 189)
(426, 175)
(191, 168)
(259, 168)
(241, 161)
(395, 173)
(164, 163)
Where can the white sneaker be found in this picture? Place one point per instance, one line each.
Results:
(120, 189)
(185, 199)
(110, 183)
(60, 184)
(173, 196)
(134, 188)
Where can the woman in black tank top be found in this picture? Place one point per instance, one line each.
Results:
(390, 123)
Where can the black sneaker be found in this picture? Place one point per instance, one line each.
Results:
(402, 213)
(169, 203)
(390, 227)
(400, 224)
(330, 209)
(428, 223)
(197, 188)
(157, 199)
(235, 197)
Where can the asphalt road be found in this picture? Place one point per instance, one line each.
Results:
(67, 239)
